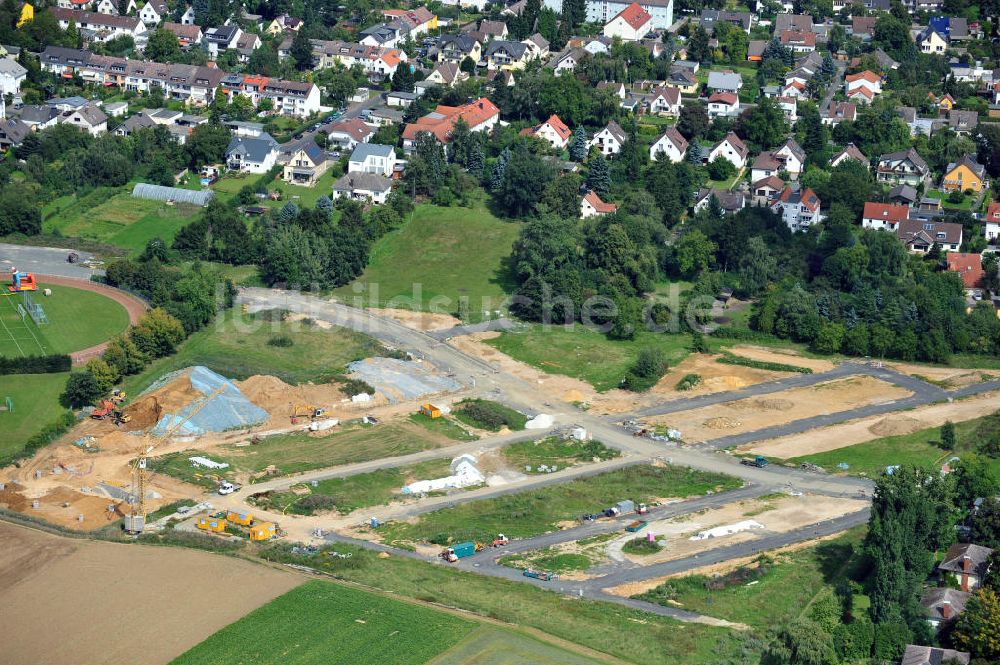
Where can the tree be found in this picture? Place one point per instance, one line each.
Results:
(81, 390)
(499, 170)
(468, 65)
(578, 144)
(693, 121)
(157, 333)
(562, 196)
(986, 524)
(19, 212)
(524, 181)
(692, 254)
(124, 355)
(697, 47)
(801, 642)
(301, 51)
(163, 46)
(893, 35)
(764, 125)
(104, 374)
(978, 627)
(207, 144)
(599, 176)
(757, 266)
(948, 436)
(721, 168)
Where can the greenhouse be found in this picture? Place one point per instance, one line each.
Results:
(144, 190)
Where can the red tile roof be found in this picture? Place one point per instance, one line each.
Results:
(439, 123)
(968, 266)
(886, 212)
(866, 75)
(600, 206)
(558, 125)
(993, 212)
(727, 98)
(797, 37)
(635, 16)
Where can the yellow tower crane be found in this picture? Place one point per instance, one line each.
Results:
(135, 521)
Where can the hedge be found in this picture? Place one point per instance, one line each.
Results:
(53, 364)
(742, 334)
(730, 359)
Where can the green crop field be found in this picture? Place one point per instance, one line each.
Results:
(919, 448)
(116, 218)
(536, 511)
(36, 404)
(583, 353)
(77, 319)
(444, 254)
(495, 646)
(237, 346)
(295, 453)
(782, 589)
(320, 622)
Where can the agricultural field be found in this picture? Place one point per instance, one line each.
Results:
(582, 353)
(36, 404)
(445, 254)
(920, 448)
(114, 217)
(239, 346)
(77, 319)
(317, 619)
(767, 592)
(294, 453)
(345, 495)
(555, 451)
(538, 511)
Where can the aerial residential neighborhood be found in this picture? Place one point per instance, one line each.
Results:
(495, 331)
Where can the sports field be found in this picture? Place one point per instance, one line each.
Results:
(77, 319)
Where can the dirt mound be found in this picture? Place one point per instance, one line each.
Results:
(722, 423)
(775, 404)
(263, 388)
(574, 396)
(145, 412)
(896, 425)
(726, 382)
(11, 497)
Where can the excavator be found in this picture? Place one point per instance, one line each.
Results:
(306, 411)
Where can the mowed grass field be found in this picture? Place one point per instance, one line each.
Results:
(320, 622)
(36, 404)
(536, 511)
(114, 217)
(77, 320)
(584, 353)
(440, 254)
(237, 346)
(919, 448)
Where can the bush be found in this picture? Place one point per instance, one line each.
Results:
(489, 415)
(275, 314)
(282, 341)
(641, 546)
(730, 359)
(720, 169)
(956, 197)
(354, 387)
(315, 502)
(36, 365)
(688, 382)
(649, 366)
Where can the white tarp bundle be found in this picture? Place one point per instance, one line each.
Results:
(541, 421)
(727, 530)
(204, 461)
(464, 474)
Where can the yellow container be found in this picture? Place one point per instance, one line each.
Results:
(243, 519)
(213, 524)
(430, 411)
(263, 531)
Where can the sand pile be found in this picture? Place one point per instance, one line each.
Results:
(265, 389)
(12, 498)
(145, 412)
(574, 396)
(727, 382)
(896, 425)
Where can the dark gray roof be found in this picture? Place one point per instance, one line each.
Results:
(979, 558)
(915, 655)
(371, 182)
(904, 192)
(910, 154)
(13, 131)
(363, 151)
(253, 148)
(37, 115)
(933, 600)
(516, 49)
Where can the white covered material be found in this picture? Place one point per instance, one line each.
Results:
(727, 530)
(361, 397)
(541, 421)
(464, 474)
(211, 464)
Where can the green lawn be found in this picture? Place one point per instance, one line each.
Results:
(36, 404)
(115, 217)
(320, 622)
(919, 448)
(444, 426)
(583, 353)
(555, 451)
(77, 320)
(295, 453)
(437, 258)
(495, 646)
(772, 594)
(236, 346)
(361, 491)
(966, 203)
(474, 412)
(537, 511)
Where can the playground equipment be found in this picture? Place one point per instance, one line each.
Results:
(22, 281)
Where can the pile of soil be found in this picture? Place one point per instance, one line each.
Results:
(12, 498)
(896, 425)
(145, 412)
(263, 388)
(722, 422)
(774, 404)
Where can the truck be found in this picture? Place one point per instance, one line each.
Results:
(539, 575)
(759, 461)
(460, 551)
(500, 540)
(642, 509)
(636, 526)
(228, 488)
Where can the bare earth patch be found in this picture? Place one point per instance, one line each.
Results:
(715, 376)
(786, 356)
(868, 429)
(71, 601)
(751, 414)
(947, 377)
(425, 321)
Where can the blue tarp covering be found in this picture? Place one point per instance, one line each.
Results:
(228, 410)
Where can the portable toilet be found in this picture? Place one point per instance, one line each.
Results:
(243, 519)
(212, 524)
(430, 411)
(263, 531)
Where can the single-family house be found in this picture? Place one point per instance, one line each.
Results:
(863, 27)
(503, 54)
(838, 112)
(593, 206)
(799, 208)
(963, 175)
(348, 133)
(903, 195)
(723, 105)
(187, 34)
(755, 50)
(884, 216)
(765, 164)
(538, 46)
(963, 122)
(709, 18)
(729, 202)
(917, 655)
(725, 81)
(372, 158)
(12, 132)
(941, 604)
(480, 115)
(932, 41)
(901, 167)
(863, 81)
(609, 140)
(153, 12)
(920, 236)
(88, 118)
(630, 25)
(553, 131)
(456, 48)
(799, 42)
(797, 22)
(730, 148)
(222, 38)
(283, 23)
(664, 100)
(248, 154)
(764, 190)
(968, 266)
(672, 146)
(792, 156)
(306, 165)
(991, 223)
(371, 187)
(39, 117)
(850, 151)
(966, 561)
(12, 76)
(446, 74)
(684, 80)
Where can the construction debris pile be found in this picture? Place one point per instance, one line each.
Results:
(401, 380)
(228, 408)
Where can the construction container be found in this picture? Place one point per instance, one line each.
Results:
(213, 524)
(263, 531)
(464, 549)
(243, 519)
(430, 411)
(625, 507)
